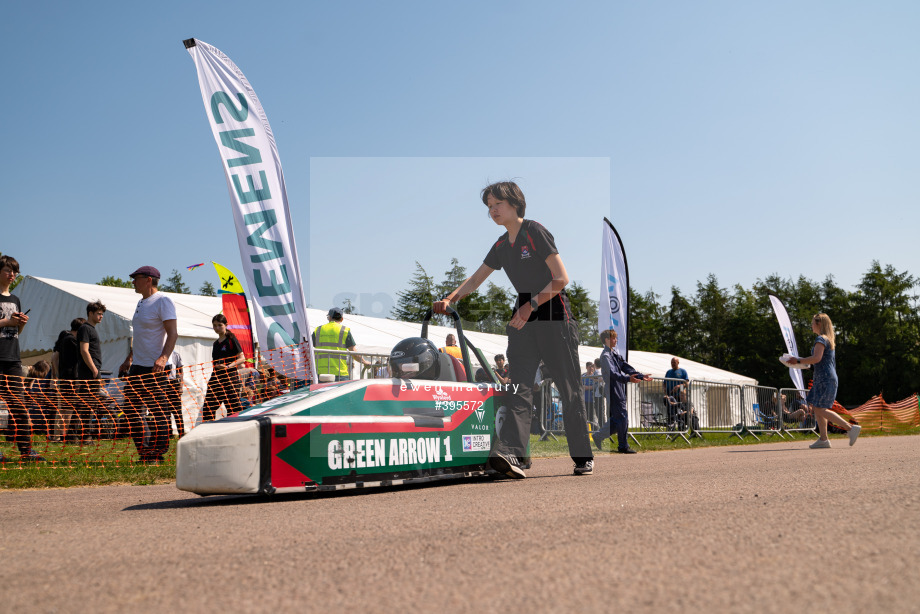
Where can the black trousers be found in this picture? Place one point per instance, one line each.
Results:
(174, 392)
(223, 387)
(145, 389)
(12, 391)
(554, 342)
(87, 406)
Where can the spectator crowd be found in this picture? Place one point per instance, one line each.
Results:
(71, 402)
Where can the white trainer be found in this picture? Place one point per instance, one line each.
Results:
(854, 433)
(821, 443)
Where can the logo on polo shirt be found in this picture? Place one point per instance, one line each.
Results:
(525, 253)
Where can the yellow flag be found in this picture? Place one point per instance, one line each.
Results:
(229, 284)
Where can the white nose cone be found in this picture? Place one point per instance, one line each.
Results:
(219, 458)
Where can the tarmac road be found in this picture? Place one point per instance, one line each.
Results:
(768, 528)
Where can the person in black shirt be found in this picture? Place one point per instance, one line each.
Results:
(541, 327)
(64, 361)
(501, 369)
(88, 339)
(12, 321)
(67, 351)
(224, 383)
(88, 367)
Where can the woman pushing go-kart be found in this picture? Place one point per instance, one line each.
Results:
(541, 328)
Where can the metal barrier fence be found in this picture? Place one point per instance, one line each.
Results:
(795, 417)
(718, 407)
(714, 407)
(660, 407)
(761, 411)
(548, 407)
(377, 368)
(595, 392)
(650, 410)
(547, 410)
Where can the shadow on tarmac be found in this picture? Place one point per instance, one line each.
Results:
(762, 451)
(206, 501)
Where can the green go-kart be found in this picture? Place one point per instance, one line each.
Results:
(352, 434)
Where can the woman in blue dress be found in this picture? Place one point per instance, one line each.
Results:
(824, 387)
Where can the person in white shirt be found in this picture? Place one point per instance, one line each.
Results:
(148, 366)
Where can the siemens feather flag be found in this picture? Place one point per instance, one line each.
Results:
(785, 325)
(613, 307)
(260, 209)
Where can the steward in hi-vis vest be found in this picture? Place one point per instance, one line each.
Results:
(452, 348)
(334, 336)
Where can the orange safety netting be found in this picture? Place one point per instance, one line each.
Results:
(877, 415)
(130, 419)
(844, 413)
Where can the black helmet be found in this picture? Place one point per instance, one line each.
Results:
(415, 358)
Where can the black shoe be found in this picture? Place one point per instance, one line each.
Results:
(525, 463)
(32, 457)
(585, 469)
(507, 465)
(626, 451)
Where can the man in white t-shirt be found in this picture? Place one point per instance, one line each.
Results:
(148, 366)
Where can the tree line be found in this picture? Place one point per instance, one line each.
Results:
(877, 324)
(173, 283)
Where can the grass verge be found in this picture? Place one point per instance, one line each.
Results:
(649, 443)
(114, 462)
(105, 462)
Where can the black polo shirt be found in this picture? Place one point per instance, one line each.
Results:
(524, 261)
(88, 334)
(225, 351)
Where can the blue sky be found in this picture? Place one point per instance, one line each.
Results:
(735, 138)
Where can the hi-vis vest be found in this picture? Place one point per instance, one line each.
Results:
(331, 335)
(453, 350)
